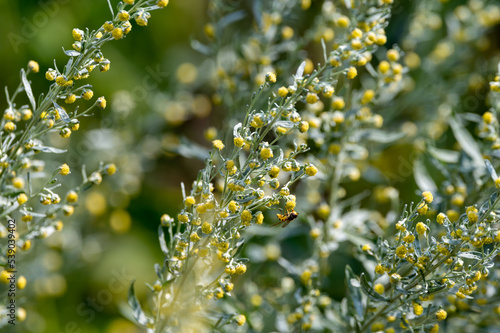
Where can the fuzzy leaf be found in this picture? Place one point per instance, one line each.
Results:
(62, 113)
(27, 88)
(163, 243)
(300, 71)
(323, 46)
(444, 155)
(72, 53)
(200, 47)
(354, 295)
(422, 177)
(136, 306)
(257, 12)
(491, 170)
(236, 129)
(49, 149)
(469, 145)
(159, 271)
(231, 18)
(190, 149)
(471, 255)
(376, 135)
(369, 291)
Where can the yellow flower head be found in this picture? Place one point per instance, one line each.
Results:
(189, 201)
(217, 144)
(22, 198)
(441, 314)
(240, 320)
(123, 15)
(311, 170)
(9, 126)
(77, 34)
(239, 141)
(392, 55)
(162, 3)
(33, 66)
(440, 218)
(427, 196)
(72, 197)
(266, 153)
(303, 126)
(117, 33)
(246, 216)
(64, 169)
(343, 21)
(379, 288)
(352, 72)
(206, 228)
(110, 169)
(283, 92)
(311, 98)
(421, 228)
(101, 102)
(418, 309)
(271, 77)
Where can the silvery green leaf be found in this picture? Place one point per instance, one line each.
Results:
(136, 306)
(376, 135)
(231, 18)
(27, 88)
(354, 299)
(238, 247)
(444, 155)
(403, 291)
(471, 255)
(371, 70)
(422, 177)
(495, 153)
(49, 149)
(163, 243)
(71, 53)
(300, 71)
(472, 117)
(288, 266)
(257, 12)
(285, 124)
(62, 113)
(323, 46)
(159, 271)
(200, 47)
(467, 142)
(369, 291)
(236, 129)
(190, 149)
(491, 170)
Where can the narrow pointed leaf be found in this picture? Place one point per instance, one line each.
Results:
(136, 307)
(62, 113)
(163, 243)
(27, 88)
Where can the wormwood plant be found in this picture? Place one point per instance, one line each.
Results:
(28, 194)
(173, 306)
(422, 274)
